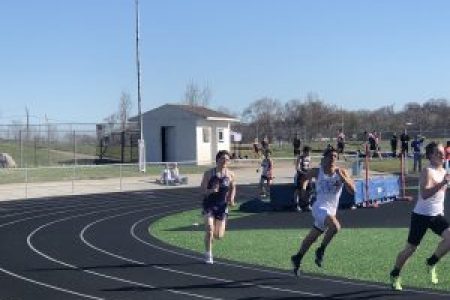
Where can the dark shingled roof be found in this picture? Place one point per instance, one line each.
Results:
(202, 111)
(196, 110)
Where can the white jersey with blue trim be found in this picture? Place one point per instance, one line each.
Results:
(328, 191)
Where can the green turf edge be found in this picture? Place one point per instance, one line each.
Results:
(364, 254)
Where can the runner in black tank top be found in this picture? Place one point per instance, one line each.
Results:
(218, 189)
(215, 204)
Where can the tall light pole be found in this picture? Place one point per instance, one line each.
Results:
(141, 143)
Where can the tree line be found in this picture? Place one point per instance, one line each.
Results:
(312, 118)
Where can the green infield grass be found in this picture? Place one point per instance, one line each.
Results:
(363, 254)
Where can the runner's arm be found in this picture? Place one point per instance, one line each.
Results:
(428, 187)
(232, 191)
(347, 179)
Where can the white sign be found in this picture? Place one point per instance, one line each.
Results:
(236, 136)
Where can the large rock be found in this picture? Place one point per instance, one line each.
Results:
(6, 161)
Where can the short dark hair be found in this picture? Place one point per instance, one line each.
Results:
(222, 153)
(328, 150)
(307, 149)
(430, 148)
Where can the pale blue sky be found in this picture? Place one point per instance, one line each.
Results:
(71, 59)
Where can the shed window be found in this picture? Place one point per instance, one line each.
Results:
(220, 135)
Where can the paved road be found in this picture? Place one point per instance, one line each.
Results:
(98, 247)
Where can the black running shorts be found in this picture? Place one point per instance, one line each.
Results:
(420, 224)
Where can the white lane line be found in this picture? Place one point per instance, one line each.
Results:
(30, 236)
(57, 202)
(36, 281)
(70, 205)
(81, 205)
(49, 285)
(178, 271)
(275, 272)
(48, 215)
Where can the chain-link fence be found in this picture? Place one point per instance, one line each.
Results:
(59, 144)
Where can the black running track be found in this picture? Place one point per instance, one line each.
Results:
(98, 247)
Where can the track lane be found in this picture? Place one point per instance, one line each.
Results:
(148, 267)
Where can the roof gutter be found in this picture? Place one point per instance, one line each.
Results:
(222, 119)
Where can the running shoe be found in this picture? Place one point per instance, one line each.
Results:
(319, 257)
(396, 283)
(433, 274)
(295, 260)
(209, 258)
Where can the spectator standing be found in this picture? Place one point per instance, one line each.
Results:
(340, 143)
(394, 143)
(404, 139)
(296, 144)
(416, 146)
(377, 136)
(372, 144)
(265, 144)
(256, 147)
(266, 174)
(302, 166)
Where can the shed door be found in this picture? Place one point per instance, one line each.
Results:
(168, 143)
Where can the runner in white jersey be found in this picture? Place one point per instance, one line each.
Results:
(428, 213)
(329, 183)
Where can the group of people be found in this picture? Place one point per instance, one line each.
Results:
(219, 189)
(171, 175)
(404, 143)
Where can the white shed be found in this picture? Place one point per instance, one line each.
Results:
(175, 132)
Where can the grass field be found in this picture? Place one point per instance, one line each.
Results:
(365, 254)
(46, 174)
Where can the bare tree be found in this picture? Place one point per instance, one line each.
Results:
(262, 114)
(120, 118)
(111, 121)
(196, 96)
(124, 110)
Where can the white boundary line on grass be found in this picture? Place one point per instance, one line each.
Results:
(340, 281)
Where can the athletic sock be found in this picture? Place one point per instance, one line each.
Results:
(299, 256)
(432, 260)
(395, 272)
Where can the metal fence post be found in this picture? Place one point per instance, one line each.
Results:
(26, 182)
(21, 148)
(74, 161)
(120, 171)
